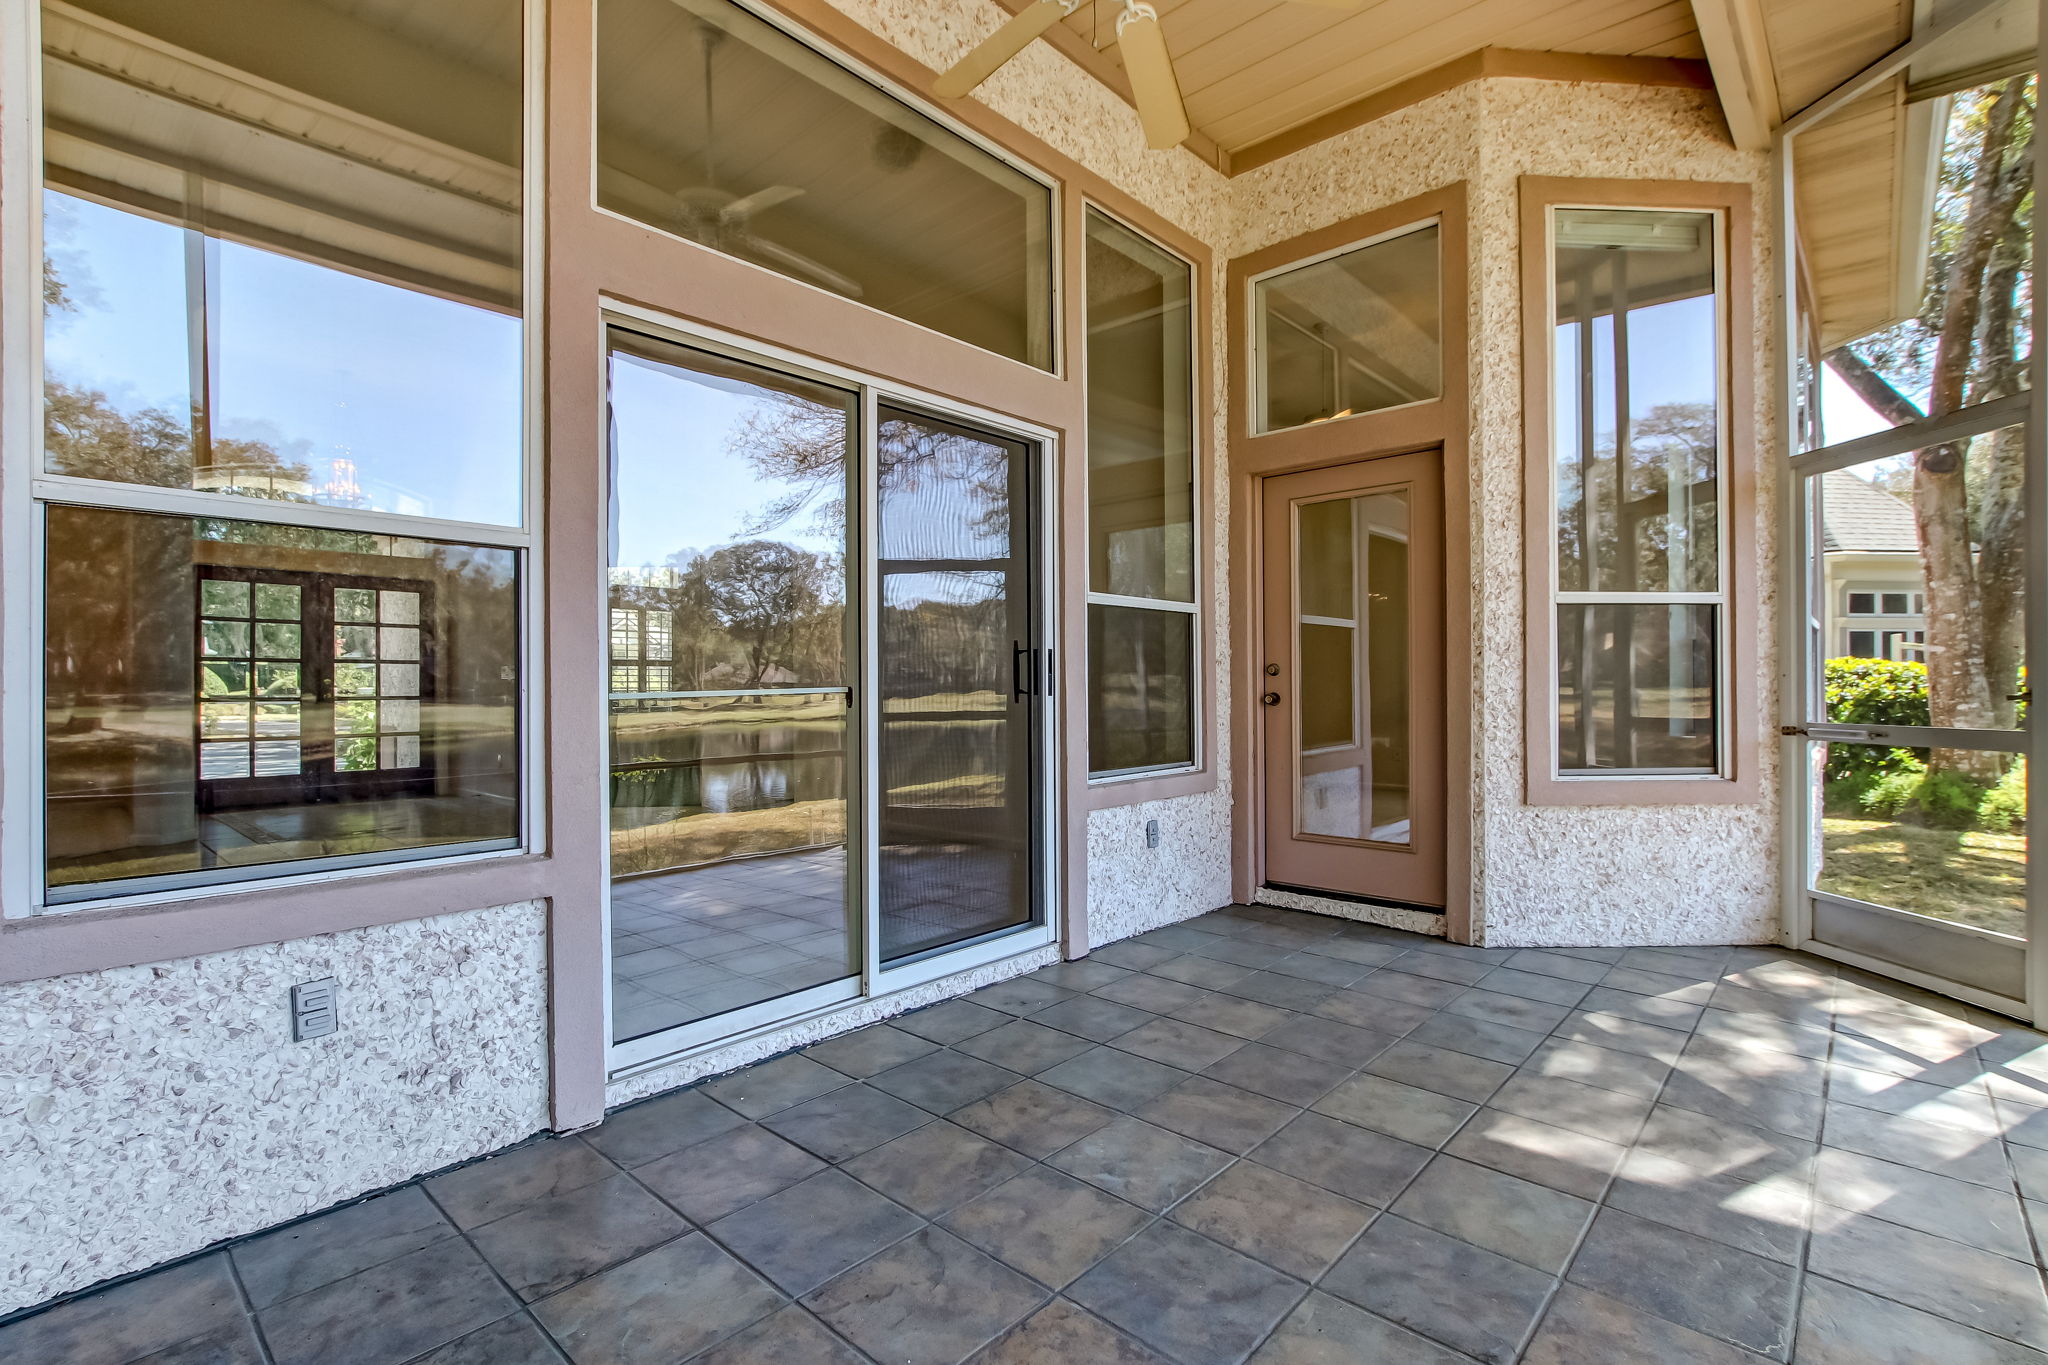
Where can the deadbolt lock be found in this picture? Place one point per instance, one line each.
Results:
(1272, 670)
(1271, 699)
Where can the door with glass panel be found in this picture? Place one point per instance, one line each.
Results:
(1353, 680)
(825, 680)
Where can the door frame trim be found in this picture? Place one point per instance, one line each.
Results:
(1443, 425)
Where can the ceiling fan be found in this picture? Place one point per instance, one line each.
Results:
(724, 221)
(1146, 60)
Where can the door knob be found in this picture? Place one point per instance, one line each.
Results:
(1271, 699)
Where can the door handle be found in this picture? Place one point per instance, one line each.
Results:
(1271, 699)
(1023, 671)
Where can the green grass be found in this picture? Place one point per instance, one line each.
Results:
(1972, 877)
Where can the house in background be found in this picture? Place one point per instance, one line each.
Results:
(1873, 583)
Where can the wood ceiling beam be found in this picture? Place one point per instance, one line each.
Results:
(1738, 53)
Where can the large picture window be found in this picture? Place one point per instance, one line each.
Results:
(1637, 491)
(282, 457)
(1142, 615)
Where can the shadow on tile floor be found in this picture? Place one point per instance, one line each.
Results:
(1261, 1135)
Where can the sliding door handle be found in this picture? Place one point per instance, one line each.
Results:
(1023, 671)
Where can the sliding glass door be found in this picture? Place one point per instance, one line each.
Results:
(826, 689)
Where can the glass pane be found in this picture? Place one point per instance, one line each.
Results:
(398, 680)
(729, 815)
(355, 717)
(315, 207)
(1357, 332)
(398, 608)
(956, 741)
(1937, 833)
(355, 680)
(1140, 417)
(1890, 348)
(276, 641)
(221, 597)
(224, 680)
(1352, 669)
(225, 639)
(716, 126)
(1636, 434)
(355, 604)
(355, 642)
(1636, 688)
(398, 642)
(277, 601)
(1141, 695)
(136, 801)
(1942, 530)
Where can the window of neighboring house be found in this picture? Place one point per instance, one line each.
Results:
(715, 125)
(282, 271)
(1863, 604)
(1636, 461)
(1354, 332)
(1142, 614)
(1863, 644)
(1895, 603)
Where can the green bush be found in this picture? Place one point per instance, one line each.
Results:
(1874, 692)
(2004, 807)
(1888, 795)
(1948, 800)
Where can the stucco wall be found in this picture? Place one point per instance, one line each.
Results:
(149, 1111)
(1551, 875)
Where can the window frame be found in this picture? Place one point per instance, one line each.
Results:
(1739, 756)
(1201, 664)
(294, 901)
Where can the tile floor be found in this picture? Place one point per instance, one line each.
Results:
(1260, 1135)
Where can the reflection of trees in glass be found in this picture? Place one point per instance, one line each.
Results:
(1970, 344)
(751, 614)
(1671, 442)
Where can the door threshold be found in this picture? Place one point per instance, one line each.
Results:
(1387, 902)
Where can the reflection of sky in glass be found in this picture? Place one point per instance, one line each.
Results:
(679, 484)
(396, 400)
(1671, 360)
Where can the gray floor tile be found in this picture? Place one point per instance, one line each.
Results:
(811, 1231)
(1558, 1157)
(1020, 995)
(1517, 1011)
(1935, 1275)
(1063, 1334)
(1448, 1290)
(1968, 1107)
(1329, 1041)
(1517, 1218)
(1623, 1035)
(1583, 1328)
(1379, 1013)
(1725, 1065)
(936, 1167)
(865, 1051)
(1495, 1042)
(930, 1298)
(950, 1022)
(1289, 1224)
(1084, 975)
(1024, 1047)
(674, 1301)
(115, 1325)
(1220, 1115)
(1243, 952)
(1840, 1325)
(1153, 994)
(1719, 1147)
(1351, 1161)
(1643, 1009)
(1457, 1074)
(725, 1174)
(1363, 951)
(1761, 1031)
(1034, 1119)
(1120, 1080)
(1237, 1017)
(846, 1122)
(1186, 1296)
(1457, 970)
(391, 1312)
(791, 1336)
(1760, 1106)
(1047, 1224)
(554, 1242)
(1135, 957)
(1290, 1077)
(1935, 1147)
(1570, 1104)
(1148, 1166)
(1987, 1219)
(943, 1081)
(1283, 992)
(1395, 984)
(489, 1189)
(1328, 971)
(1087, 1017)
(652, 1128)
(1407, 1112)
(1767, 1215)
(1697, 1283)
(234, 1344)
(1683, 989)
(1192, 969)
(760, 1090)
(1328, 1331)
(1179, 1043)
(321, 1250)
(1557, 964)
(1554, 990)
(516, 1340)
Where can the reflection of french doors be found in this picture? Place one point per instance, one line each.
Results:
(1352, 680)
(826, 678)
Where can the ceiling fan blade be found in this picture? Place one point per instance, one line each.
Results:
(816, 271)
(996, 49)
(739, 210)
(1150, 68)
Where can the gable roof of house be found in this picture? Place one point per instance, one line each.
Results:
(1858, 516)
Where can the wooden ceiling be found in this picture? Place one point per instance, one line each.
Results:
(1252, 70)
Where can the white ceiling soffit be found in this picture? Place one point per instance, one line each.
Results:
(1989, 48)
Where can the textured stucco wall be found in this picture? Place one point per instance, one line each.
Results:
(149, 1111)
(1547, 875)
